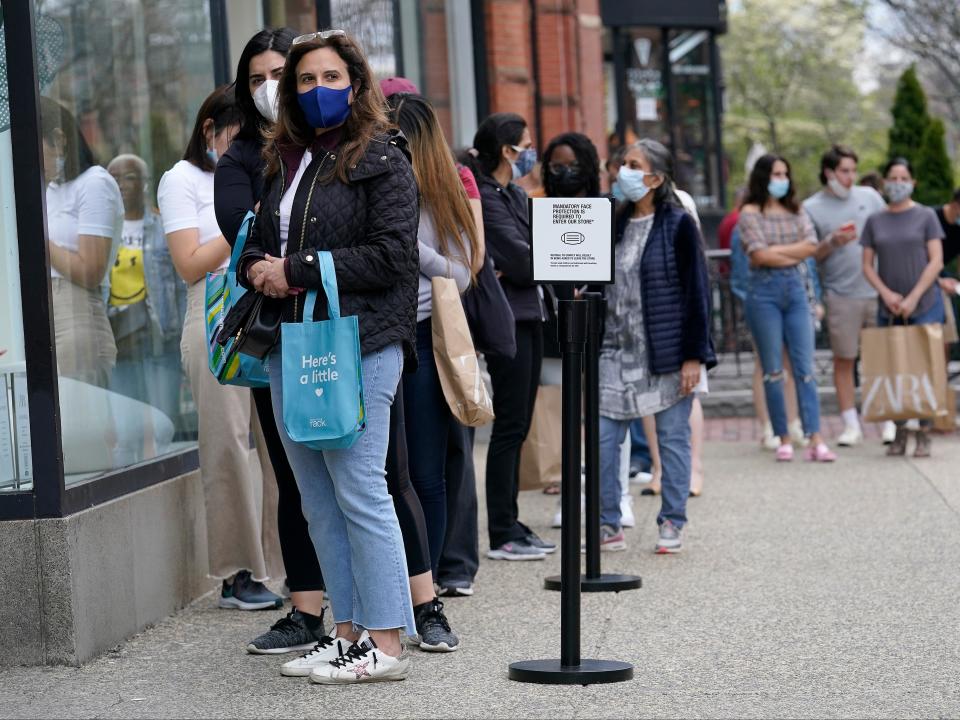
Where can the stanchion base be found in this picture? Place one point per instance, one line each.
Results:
(607, 582)
(588, 672)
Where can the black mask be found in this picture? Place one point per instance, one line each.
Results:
(564, 181)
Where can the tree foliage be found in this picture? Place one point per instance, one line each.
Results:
(933, 170)
(910, 118)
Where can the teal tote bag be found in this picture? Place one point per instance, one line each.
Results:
(322, 373)
(222, 292)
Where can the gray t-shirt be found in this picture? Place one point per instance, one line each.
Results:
(900, 241)
(841, 272)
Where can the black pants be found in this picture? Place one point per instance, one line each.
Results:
(413, 526)
(515, 384)
(460, 558)
(299, 557)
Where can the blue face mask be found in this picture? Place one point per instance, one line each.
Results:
(617, 192)
(778, 188)
(524, 162)
(213, 155)
(324, 107)
(631, 184)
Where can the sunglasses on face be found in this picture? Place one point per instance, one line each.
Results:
(320, 35)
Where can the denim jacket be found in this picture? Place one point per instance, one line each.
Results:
(166, 291)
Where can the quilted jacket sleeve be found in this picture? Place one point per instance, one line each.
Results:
(393, 215)
(695, 284)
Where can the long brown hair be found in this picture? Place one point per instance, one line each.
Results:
(367, 115)
(436, 173)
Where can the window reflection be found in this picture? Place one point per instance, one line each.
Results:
(121, 86)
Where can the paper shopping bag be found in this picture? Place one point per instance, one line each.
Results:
(904, 372)
(457, 365)
(540, 459)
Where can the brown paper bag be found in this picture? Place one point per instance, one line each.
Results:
(948, 423)
(904, 372)
(457, 364)
(540, 461)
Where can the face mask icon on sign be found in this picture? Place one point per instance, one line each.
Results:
(572, 238)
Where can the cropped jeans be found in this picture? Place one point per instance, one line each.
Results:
(778, 313)
(673, 437)
(349, 511)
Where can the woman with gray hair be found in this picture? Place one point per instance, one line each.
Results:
(656, 338)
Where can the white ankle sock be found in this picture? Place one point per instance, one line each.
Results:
(851, 418)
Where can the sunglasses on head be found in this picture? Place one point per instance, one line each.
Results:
(320, 35)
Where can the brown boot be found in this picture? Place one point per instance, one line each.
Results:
(923, 444)
(898, 447)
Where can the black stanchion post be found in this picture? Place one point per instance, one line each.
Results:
(594, 580)
(570, 669)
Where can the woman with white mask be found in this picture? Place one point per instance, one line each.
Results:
(238, 187)
(902, 258)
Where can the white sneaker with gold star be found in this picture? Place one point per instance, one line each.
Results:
(363, 662)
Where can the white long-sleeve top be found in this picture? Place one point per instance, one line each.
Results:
(433, 264)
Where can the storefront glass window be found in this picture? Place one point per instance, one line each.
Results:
(694, 119)
(372, 22)
(15, 460)
(646, 107)
(120, 85)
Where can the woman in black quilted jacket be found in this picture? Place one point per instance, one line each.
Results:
(501, 151)
(338, 180)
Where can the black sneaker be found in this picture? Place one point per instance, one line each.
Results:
(288, 634)
(538, 542)
(245, 593)
(433, 629)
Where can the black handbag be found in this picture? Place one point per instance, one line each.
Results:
(255, 323)
(489, 315)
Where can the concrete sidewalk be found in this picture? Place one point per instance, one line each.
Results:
(826, 591)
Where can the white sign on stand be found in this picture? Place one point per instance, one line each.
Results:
(572, 240)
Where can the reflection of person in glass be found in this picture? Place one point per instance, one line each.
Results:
(83, 216)
(232, 480)
(147, 300)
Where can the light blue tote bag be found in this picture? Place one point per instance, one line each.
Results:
(322, 373)
(222, 292)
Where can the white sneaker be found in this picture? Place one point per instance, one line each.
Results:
(913, 425)
(627, 519)
(323, 652)
(363, 662)
(641, 478)
(889, 433)
(850, 437)
(770, 441)
(796, 433)
(558, 517)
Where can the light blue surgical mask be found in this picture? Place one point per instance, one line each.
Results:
(524, 162)
(632, 185)
(213, 155)
(617, 192)
(778, 188)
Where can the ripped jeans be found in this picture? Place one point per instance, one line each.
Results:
(778, 312)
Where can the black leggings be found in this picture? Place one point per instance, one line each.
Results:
(413, 526)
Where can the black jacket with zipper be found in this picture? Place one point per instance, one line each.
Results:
(506, 229)
(369, 225)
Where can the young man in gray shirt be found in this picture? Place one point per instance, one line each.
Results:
(839, 211)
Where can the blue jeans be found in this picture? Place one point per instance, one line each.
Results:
(348, 509)
(673, 437)
(778, 312)
(428, 417)
(639, 449)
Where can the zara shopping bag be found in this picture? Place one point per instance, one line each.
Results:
(904, 372)
(540, 458)
(457, 364)
(229, 366)
(322, 373)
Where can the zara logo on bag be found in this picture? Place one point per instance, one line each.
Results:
(895, 394)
